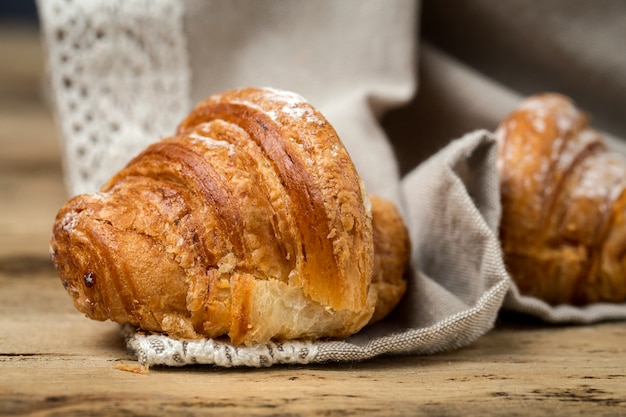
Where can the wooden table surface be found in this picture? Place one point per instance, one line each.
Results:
(54, 362)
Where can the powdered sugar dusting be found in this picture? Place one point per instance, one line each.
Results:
(301, 112)
(210, 142)
(564, 122)
(551, 107)
(294, 106)
(565, 154)
(69, 221)
(279, 104)
(604, 177)
(538, 105)
(288, 97)
(539, 124)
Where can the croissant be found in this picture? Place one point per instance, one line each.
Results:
(563, 228)
(251, 223)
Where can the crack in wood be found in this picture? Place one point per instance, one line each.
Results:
(30, 167)
(18, 265)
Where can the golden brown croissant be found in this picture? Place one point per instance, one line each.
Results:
(563, 226)
(250, 222)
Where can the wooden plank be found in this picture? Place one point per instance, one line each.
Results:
(53, 361)
(29, 203)
(28, 137)
(31, 188)
(22, 62)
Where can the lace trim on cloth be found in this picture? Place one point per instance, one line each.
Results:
(115, 89)
(157, 349)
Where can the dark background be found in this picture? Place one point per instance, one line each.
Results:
(18, 10)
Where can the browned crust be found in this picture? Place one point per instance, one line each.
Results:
(254, 196)
(392, 249)
(559, 186)
(290, 144)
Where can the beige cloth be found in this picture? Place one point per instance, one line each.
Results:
(398, 95)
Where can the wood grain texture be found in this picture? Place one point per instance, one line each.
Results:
(55, 362)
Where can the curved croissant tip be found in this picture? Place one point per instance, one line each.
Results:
(75, 256)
